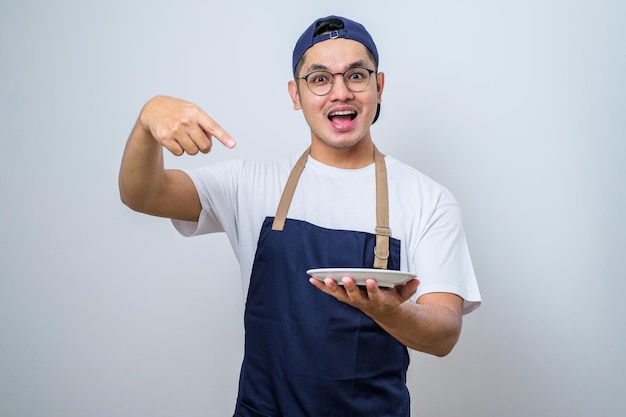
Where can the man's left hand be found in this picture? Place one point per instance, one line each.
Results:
(373, 300)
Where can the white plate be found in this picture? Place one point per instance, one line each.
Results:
(384, 277)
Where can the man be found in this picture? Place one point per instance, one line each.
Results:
(318, 347)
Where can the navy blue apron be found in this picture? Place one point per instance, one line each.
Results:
(306, 353)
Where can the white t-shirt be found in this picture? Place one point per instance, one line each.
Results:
(237, 196)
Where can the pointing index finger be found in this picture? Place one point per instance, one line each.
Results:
(212, 128)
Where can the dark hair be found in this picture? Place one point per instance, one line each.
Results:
(326, 26)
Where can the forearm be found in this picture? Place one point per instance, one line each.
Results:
(428, 328)
(432, 325)
(180, 127)
(141, 172)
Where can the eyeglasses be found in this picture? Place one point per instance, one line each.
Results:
(321, 82)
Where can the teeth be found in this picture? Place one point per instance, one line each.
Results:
(342, 113)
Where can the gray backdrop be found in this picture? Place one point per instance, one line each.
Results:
(516, 106)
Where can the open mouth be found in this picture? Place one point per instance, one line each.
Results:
(342, 116)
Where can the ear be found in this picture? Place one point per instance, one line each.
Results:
(294, 93)
(380, 85)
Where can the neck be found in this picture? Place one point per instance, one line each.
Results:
(352, 157)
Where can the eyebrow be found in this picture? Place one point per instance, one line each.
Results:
(321, 67)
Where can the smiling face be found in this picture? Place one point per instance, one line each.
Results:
(340, 120)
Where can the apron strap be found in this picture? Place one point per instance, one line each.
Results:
(290, 189)
(383, 231)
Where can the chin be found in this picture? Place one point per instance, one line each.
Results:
(342, 140)
(342, 143)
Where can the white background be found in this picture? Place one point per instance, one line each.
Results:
(516, 106)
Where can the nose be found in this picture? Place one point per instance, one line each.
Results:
(339, 89)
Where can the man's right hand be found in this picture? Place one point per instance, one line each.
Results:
(181, 126)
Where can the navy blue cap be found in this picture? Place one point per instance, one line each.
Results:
(351, 30)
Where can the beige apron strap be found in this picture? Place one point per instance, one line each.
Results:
(290, 188)
(381, 251)
(383, 231)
